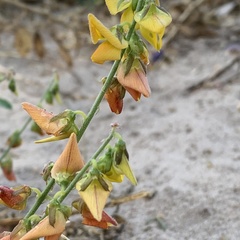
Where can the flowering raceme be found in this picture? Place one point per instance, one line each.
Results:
(94, 181)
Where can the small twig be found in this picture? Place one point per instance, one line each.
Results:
(132, 197)
(214, 76)
(191, 8)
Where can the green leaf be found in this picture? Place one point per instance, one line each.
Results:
(5, 104)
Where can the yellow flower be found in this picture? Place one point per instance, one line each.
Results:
(69, 162)
(99, 32)
(155, 39)
(121, 163)
(152, 22)
(154, 19)
(114, 41)
(127, 16)
(124, 168)
(95, 194)
(115, 6)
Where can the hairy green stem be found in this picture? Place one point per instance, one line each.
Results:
(41, 198)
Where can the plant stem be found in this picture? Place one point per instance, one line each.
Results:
(84, 169)
(98, 99)
(41, 198)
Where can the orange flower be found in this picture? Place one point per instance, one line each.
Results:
(61, 125)
(135, 80)
(45, 229)
(69, 162)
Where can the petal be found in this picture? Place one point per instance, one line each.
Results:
(136, 79)
(99, 31)
(126, 170)
(106, 52)
(135, 94)
(70, 161)
(42, 118)
(114, 97)
(53, 138)
(155, 39)
(88, 219)
(113, 175)
(127, 16)
(44, 229)
(115, 6)
(154, 20)
(95, 197)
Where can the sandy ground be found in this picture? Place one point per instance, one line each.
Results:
(184, 148)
